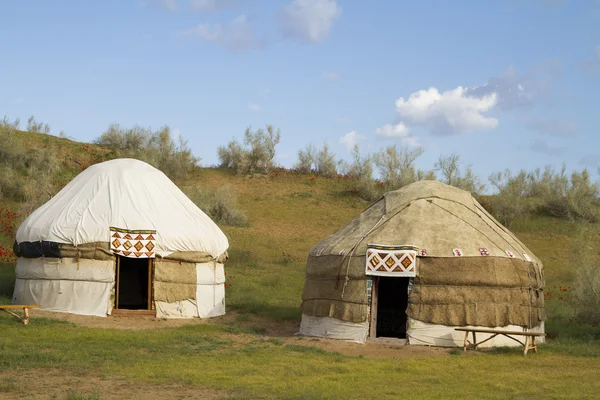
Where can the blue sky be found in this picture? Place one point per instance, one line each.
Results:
(506, 84)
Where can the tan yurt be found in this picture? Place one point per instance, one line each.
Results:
(121, 238)
(420, 262)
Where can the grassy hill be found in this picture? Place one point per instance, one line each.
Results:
(287, 214)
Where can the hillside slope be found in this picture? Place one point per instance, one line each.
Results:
(288, 213)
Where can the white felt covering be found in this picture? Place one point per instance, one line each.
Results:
(128, 194)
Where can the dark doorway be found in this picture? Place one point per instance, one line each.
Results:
(392, 301)
(134, 283)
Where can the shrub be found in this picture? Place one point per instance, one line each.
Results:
(37, 127)
(449, 167)
(255, 155)
(548, 192)
(510, 203)
(325, 164)
(361, 171)
(396, 166)
(158, 148)
(26, 175)
(587, 276)
(306, 159)
(219, 204)
(321, 162)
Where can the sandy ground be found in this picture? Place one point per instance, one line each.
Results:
(54, 384)
(285, 331)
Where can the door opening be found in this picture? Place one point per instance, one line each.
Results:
(391, 301)
(133, 284)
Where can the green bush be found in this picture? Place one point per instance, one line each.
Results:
(396, 166)
(219, 204)
(573, 197)
(256, 155)
(587, 278)
(158, 148)
(360, 172)
(26, 175)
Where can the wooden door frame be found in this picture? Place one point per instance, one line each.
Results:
(373, 305)
(150, 280)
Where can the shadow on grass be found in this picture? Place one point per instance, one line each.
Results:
(276, 313)
(7, 282)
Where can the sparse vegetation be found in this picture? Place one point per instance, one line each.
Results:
(256, 155)
(27, 175)
(361, 172)
(158, 148)
(396, 166)
(449, 167)
(219, 203)
(573, 197)
(321, 162)
(586, 259)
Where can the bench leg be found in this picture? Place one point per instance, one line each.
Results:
(26, 315)
(466, 343)
(474, 341)
(527, 340)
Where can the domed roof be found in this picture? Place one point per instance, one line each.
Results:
(431, 215)
(127, 194)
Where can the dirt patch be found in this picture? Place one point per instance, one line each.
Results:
(284, 331)
(129, 322)
(60, 384)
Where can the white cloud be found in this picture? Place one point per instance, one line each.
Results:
(350, 139)
(393, 131)
(447, 113)
(210, 5)
(398, 131)
(236, 35)
(308, 20)
(330, 75)
(521, 92)
(253, 107)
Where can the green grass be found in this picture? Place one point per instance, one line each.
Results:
(204, 355)
(287, 215)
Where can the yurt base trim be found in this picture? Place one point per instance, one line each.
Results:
(417, 332)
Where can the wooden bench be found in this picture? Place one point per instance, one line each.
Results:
(529, 337)
(25, 319)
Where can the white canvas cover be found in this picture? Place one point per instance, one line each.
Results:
(417, 333)
(65, 284)
(128, 194)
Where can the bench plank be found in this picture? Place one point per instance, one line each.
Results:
(529, 337)
(12, 306)
(7, 307)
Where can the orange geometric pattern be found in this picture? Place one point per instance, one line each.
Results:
(391, 260)
(125, 241)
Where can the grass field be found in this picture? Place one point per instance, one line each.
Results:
(243, 359)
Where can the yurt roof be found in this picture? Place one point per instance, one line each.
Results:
(127, 194)
(431, 215)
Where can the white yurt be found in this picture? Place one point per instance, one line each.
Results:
(419, 263)
(121, 237)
